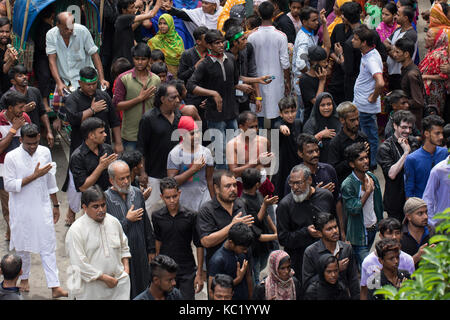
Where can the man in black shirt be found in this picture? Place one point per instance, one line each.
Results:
(349, 134)
(327, 226)
(90, 160)
(216, 77)
(175, 228)
(34, 107)
(391, 156)
(8, 56)
(125, 24)
(295, 215)
(163, 271)
(88, 101)
(217, 216)
(155, 137)
(282, 22)
(416, 231)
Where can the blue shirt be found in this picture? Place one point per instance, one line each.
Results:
(418, 166)
(225, 261)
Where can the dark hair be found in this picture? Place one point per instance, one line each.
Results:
(88, 73)
(254, 21)
(385, 245)
(391, 7)
(245, 116)
(447, 135)
(198, 32)
(408, 12)
(167, 183)
(250, 177)
(390, 224)
(351, 11)
(266, 10)
(119, 66)
(4, 21)
(302, 2)
(393, 97)
(306, 13)
(444, 6)
(161, 92)
(353, 151)
(89, 125)
(213, 35)
(408, 3)
(157, 55)
(365, 34)
(47, 11)
(30, 130)
(217, 176)
(279, 3)
(430, 121)
(92, 194)
(223, 280)
(231, 32)
(10, 266)
(123, 5)
(13, 98)
(179, 84)
(160, 263)
(159, 67)
(305, 138)
(331, 259)
(403, 115)
(288, 102)
(406, 45)
(141, 50)
(241, 235)
(321, 219)
(230, 22)
(131, 157)
(17, 69)
(283, 260)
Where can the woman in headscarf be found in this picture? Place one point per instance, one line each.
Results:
(388, 23)
(280, 284)
(439, 19)
(328, 287)
(334, 18)
(323, 123)
(435, 82)
(169, 42)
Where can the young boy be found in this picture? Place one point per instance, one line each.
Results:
(295, 6)
(259, 207)
(389, 228)
(290, 129)
(232, 259)
(388, 252)
(157, 56)
(160, 69)
(11, 268)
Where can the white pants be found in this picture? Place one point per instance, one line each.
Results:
(73, 196)
(154, 202)
(48, 263)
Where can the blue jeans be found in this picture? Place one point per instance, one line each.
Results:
(259, 263)
(222, 126)
(368, 124)
(129, 145)
(361, 252)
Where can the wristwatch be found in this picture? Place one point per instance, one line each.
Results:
(56, 205)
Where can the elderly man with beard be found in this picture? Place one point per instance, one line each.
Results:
(295, 215)
(127, 204)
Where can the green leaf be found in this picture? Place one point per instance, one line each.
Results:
(388, 291)
(439, 238)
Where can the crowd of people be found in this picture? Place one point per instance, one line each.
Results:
(176, 186)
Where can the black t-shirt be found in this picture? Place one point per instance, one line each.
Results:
(4, 79)
(308, 88)
(123, 37)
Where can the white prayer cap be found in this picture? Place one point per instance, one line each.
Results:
(217, 2)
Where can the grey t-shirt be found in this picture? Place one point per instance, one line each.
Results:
(395, 67)
(194, 192)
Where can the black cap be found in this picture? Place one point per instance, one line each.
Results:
(238, 12)
(315, 53)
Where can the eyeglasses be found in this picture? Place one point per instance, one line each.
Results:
(297, 183)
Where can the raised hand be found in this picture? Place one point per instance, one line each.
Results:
(39, 172)
(134, 215)
(248, 219)
(98, 106)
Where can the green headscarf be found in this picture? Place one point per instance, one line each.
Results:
(169, 43)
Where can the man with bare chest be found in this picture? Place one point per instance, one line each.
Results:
(249, 150)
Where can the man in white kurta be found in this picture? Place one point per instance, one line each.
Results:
(32, 190)
(272, 58)
(97, 251)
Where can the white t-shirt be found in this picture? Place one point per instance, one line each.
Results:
(371, 64)
(395, 67)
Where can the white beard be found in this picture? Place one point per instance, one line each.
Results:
(300, 197)
(122, 190)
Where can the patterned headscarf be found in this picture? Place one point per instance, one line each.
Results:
(438, 19)
(169, 43)
(275, 287)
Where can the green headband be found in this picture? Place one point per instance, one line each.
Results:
(234, 38)
(88, 80)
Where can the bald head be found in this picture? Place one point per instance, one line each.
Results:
(65, 22)
(117, 167)
(119, 176)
